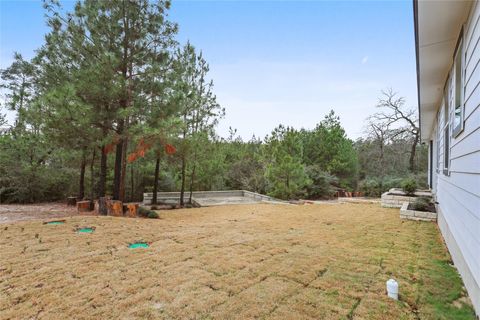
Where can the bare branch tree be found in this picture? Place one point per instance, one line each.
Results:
(379, 133)
(403, 120)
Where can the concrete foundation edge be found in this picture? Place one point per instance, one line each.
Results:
(147, 197)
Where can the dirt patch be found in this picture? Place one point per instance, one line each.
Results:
(227, 262)
(17, 212)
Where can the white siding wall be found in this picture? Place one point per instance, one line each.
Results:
(458, 193)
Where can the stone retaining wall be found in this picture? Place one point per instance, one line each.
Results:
(259, 196)
(147, 197)
(395, 201)
(394, 198)
(405, 213)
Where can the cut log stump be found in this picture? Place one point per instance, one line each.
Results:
(115, 208)
(71, 201)
(102, 205)
(84, 206)
(130, 209)
(96, 207)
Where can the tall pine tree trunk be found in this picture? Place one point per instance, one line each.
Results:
(81, 187)
(184, 164)
(121, 154)
(92, 176)
(124, 170)
(192, 177)
(155, 180)
(191, 184)
(182, 189)
(117, 171)
(102, 181)
(132, 183)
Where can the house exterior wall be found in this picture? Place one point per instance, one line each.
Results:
(458, 189)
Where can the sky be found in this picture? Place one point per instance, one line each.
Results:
(276, 62)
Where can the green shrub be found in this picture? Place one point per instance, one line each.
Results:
(374, 187)
(294, 187)
(143, 212)
(371, 187)
(409, 186)
(391, 182)
(322, 183)
(147, 213)
(422, 180)
(153, 215)
(421, 204)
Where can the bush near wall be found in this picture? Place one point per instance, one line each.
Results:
(375, 186)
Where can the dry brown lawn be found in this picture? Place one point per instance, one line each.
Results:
(229, 262)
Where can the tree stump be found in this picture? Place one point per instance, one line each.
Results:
(84, 206)
(71, 201)
(102, 205)
(130, 209)
(96, 207)
(115, 208)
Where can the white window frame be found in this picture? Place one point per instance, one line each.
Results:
(446, 129)
(446, 149)
(458, 82)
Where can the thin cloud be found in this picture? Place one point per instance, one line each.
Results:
(365, 60)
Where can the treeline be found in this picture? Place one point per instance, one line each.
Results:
(390, 150)
(113, 105)
(109, 85)
(291, 163)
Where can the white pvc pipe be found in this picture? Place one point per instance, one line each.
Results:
(392, 289)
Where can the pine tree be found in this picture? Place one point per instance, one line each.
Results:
(285, 171)
(113, 50)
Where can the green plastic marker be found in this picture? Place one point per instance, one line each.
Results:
(138, 245)
(55, 222)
